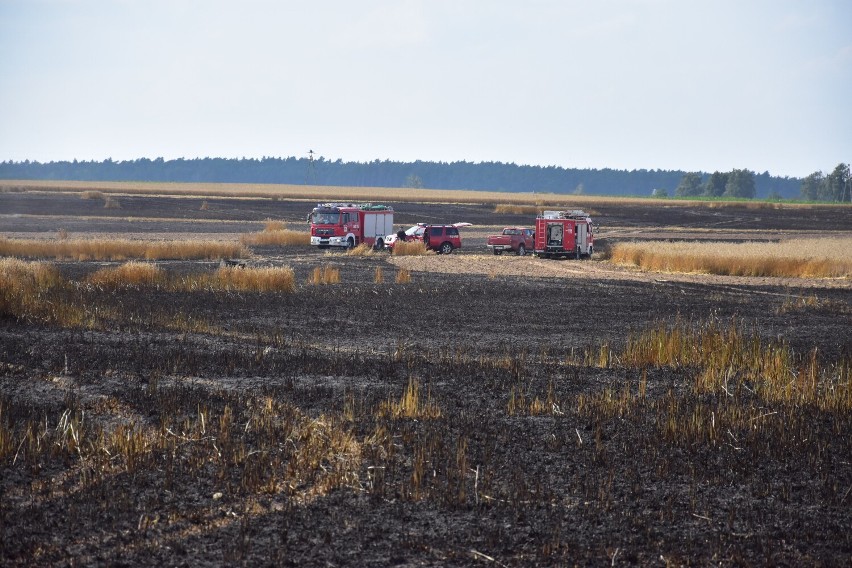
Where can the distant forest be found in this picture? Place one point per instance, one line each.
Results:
(490, 176)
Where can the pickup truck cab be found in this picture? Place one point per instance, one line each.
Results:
(516, 239)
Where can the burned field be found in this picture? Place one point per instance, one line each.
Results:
(469, 416)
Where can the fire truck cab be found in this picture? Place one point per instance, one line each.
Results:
(564, 233)
(348, 224)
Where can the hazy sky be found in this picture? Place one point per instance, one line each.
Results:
(672, 84)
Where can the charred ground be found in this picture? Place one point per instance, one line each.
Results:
(460, 419)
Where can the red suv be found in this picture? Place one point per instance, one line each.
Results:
(442, 239)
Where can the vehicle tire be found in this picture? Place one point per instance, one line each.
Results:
(578, 253)
(350, 243)
(591, 252)
(380, 244)
(497, 252)
(522, 250)
(446, 248)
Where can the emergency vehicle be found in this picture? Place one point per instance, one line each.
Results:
(349, 224)
(564, 233)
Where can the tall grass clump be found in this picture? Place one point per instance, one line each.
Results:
(403, 276)
(22, 285)
(324, 275)
(412, 404)
(799, 258)
(131, 273)
(120, 249)
(413, 248)
(237, 279)
(269, 279)
(27, 291)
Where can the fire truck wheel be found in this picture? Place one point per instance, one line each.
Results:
(497, 252)
(380, 244)
(578, 253)
(591, 252)
(522, 250)
(446, 248)
(350, 243)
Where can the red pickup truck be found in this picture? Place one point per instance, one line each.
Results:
(517, 239)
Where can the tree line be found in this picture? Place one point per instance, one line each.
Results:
(836, 186)
(490, 176)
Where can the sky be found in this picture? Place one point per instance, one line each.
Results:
(693, 85)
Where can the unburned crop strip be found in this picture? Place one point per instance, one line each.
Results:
(276, 236)
(361, 193)
(120, 249)
(36, 290)
(802, 258)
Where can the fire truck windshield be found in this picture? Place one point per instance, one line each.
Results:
(325, 218)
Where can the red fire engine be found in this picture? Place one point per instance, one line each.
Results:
(564, 233)
(349, 224)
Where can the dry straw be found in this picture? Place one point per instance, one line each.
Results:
(414, 248)
(806, 258)
(361, 250)
(270, 279)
